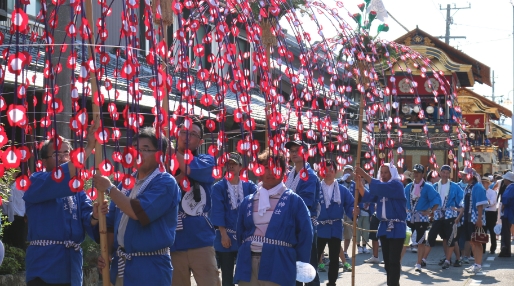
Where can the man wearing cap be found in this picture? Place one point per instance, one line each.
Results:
(193, 249)
(473, 217)
(308, 190)
(446, 217)
(389, 195)
(422, 201)
(347, 182)
(227, 195)
(505, 183)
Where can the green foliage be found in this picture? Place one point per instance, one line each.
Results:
(14, 260)
(90, 251)
(296, 4)
(5, 190)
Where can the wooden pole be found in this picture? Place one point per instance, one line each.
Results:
(98, 154)
(363, 81)
(269, 41)
(166, 20)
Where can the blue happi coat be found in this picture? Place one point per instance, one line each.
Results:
(453, 200)
(197, 230)
(153, 231)
(427, 200)
(395, 206)
(289, 223)
(508, 203)
(55, 213)
(330, 220)
(478, 198)
(222, 213)
(309, 190)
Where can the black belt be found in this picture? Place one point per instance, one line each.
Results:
(256, 253)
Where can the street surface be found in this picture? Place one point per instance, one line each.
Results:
(496, 271)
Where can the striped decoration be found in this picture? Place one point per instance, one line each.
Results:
(122, 256)
(262, 239)
(67, 243)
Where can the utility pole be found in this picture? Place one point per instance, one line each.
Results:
(493, 87)
(449, 21)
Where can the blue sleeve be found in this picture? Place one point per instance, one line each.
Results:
(201, 169)
(86, 211)
(480, 193)
(368, 197)
(348, 200)
(217, 213)
(240, 221)
(433, 197)
(459, 195)
(307, 191)
(304, 233)
(393, 189)
(44, 188)
(158, 198)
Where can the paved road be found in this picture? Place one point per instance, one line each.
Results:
(496, 271)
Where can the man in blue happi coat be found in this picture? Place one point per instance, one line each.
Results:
(307, 189)
(274, 229)
(141, 219)
(193, 250)
(473, 217)
(446, 218)
(422, 201)
(227, 195)
(389, 195)
(335, 202)
(58, 217)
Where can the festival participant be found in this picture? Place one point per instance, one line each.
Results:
(491, 213)
(308, 190)
(389, 195)
(227, 195)
(58, 218)
(274, 230)
(473, 217)
(422, 201)
(193, 249)
(335, 202)
(446, 217)
(16, 233)
(508, 206)
(505, 250)
(141, 221)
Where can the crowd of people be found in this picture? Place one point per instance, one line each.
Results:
(163, 228)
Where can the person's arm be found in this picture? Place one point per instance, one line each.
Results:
(218, 210)
(201, 169)
(434, 198)
(304, 233)
(348, 200)
(307, 191)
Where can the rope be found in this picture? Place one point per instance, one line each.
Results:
(358, 228)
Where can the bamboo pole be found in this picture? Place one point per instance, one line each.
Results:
(269, 41)
(363, 81)
(166, 20)
(98, 154)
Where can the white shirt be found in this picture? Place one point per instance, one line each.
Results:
(444, 189)
(492, 196)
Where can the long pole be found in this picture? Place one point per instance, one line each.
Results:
(512, 117)
(357, 164)
(98, 154)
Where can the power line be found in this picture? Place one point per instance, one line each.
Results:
(449, 21)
